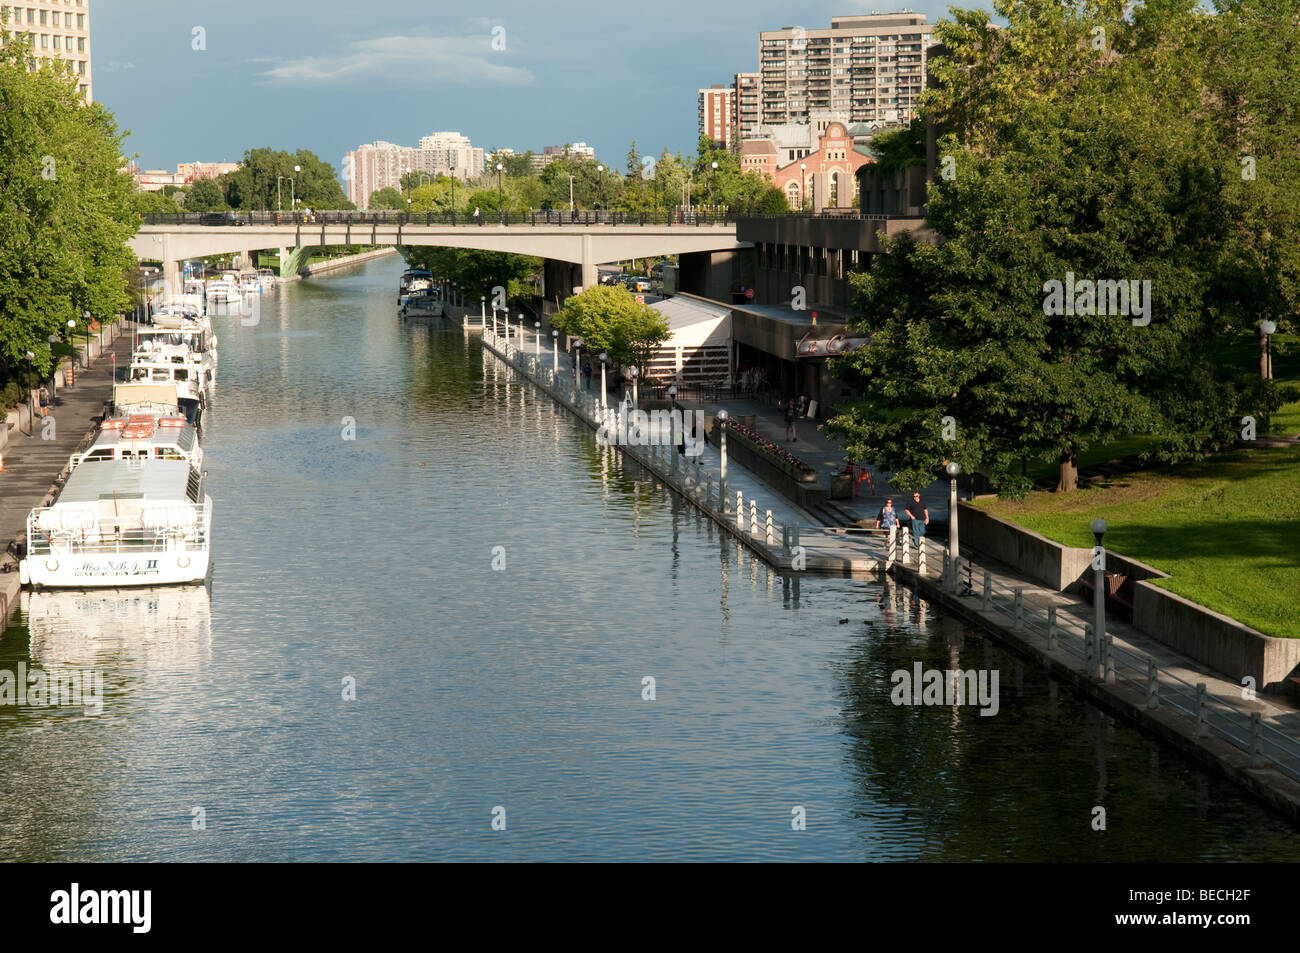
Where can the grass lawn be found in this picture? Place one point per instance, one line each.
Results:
(1227, 529)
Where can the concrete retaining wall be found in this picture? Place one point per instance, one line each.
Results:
(1234, 649)
(1210, 638)
(1036, 556)
(334, 264)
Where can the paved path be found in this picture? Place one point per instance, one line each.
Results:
(32, 463)
(1226, 741)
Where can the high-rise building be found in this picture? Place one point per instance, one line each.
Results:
(870, 67)
(381, 164)
(747, 103)
(59, 31)
(449, 153)
(718, 113)
(376, 166)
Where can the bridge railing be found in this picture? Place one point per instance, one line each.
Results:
(543, 217)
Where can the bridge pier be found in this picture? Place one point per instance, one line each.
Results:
(173, 278)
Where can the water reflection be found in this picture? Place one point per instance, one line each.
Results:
(161, 630)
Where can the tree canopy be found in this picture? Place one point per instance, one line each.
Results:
(262, 182)
(608, 318)
(66, 211)
(1081, 150)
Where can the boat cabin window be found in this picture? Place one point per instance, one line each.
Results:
(193, 486)
(182, 374)
(103, 453)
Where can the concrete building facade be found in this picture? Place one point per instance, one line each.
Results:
(59, 32)
(871, 67)
(717, 114)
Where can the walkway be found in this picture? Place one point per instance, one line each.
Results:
(32, 464)
(1255, 741)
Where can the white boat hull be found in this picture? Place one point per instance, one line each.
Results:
(86, 571)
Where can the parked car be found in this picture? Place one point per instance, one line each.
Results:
(638, 284)
(219, 218)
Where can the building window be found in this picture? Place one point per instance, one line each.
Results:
(81, 44)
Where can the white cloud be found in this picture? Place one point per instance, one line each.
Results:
(113, 66)
(444, 59)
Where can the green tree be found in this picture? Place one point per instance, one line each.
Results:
(205, 195)
(1114, 178)
(610, 319)
(263, 178)
(478, 271)
(66, 211)
(387, 198)
(1252, 59)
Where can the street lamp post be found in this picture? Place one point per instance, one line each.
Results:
(722, 448)
(803, 184)
(1098, 528)
(293, 187)
(537, 338)
(85, 318)
(712, 178)
(633, 373)
(54, 365)
(952, 469)
(577, 360)
(31, 408)
(603, 358)
(1266, 328)
(500, 193)
(555, 353)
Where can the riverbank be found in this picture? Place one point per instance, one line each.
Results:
(1250, 741)
(34, 465)
(337, 264)
(1247, 737)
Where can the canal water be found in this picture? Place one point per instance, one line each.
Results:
(396, 512)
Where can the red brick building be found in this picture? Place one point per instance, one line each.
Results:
(813, 178)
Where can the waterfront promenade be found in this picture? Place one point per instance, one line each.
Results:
(32, 463)
(1252, 739)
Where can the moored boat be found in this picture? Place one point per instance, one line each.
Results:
(133, 511)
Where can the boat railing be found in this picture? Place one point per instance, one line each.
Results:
(159, 528)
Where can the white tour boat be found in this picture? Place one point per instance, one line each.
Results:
(133, 512)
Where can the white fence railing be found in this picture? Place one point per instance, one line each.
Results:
(1105, 660)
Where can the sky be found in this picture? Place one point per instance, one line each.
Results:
(329, 75)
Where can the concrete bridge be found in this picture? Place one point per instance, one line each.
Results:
(583, 240)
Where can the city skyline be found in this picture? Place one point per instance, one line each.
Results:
(330, 84)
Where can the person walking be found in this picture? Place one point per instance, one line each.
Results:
(790, 433)
(919, 514)
(887, 518)
(478, 219)
(586, 376)
(44, 399)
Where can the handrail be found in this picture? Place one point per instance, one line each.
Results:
(1239, 727)
(699, 216)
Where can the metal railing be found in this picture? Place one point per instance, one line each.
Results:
(112, 535)
(538, 217)
(745, 519)
(1107, 661)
